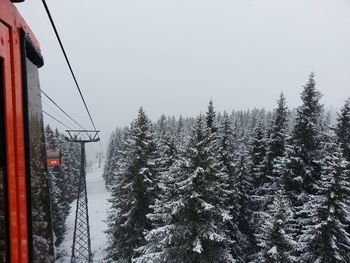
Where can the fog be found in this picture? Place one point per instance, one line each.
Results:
(171, 57)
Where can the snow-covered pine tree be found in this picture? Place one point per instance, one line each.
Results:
(203, 194)
(162, 126)
(158, 247)
(179, 129)
(70, 166)
(258, 154)
(270, 181)
(306, 139)
(278, 136)
(221, 155)
(343, 129)
(167, 150)
(258, 179)
(328, 238)
(107, 168)
(245, 214)
(225, 162)
(50, 138)
(60, 204)
(276, 148)
(133, 192)
(196, 231)
(115, 147)
(302, 167)
(276, 244)
(211, 118)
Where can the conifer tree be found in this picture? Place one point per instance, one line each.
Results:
(225, 159)
(107, 168)
(302, 168)
(196, 231)
(258, 179)
(306, 138)
(60, 203)
(269, 179)
(162, 126)
(157, 247)
(116, 146)
(245, 214)
(180, 125)
(276, 149)
(210, 118)
(328, 238)
(343, 129)
(278, 135)
(277, 245)
(215, 193)
(70, 166)
(133, 192)
(258, 153)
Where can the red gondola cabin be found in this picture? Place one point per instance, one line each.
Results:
(54, 158)
(24, 192)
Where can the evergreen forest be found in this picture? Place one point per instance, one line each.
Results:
(63, 182)
(246, 186)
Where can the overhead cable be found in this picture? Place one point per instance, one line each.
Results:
(56, 120)
(53, 111)
(47, 96)
(67, 60)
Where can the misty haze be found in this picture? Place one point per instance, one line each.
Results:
(183, 131)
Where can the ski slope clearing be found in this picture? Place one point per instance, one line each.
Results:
(98, 197)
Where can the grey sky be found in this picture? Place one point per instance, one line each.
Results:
(172, 56)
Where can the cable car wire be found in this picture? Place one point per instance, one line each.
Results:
(67, 60)
(47, 96)
(58, 114)
(56, 120)
(68, 63)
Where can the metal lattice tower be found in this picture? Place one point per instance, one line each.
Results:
(81, 249)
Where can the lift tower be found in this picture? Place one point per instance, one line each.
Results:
(81, 249)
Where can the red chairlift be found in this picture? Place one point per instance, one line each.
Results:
(54, 158)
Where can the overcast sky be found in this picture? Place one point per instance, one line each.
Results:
(172, 56)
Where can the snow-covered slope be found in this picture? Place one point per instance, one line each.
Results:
(98, 204)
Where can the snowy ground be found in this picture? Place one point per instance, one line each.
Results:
(98, 205)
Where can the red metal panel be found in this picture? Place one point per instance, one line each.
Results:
(15, 248)
(11, 17)
(19, 141)
(10, 50)
(53, 162)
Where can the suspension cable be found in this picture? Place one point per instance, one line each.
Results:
(47, 96)
(56, 113)
(56, 120)
(67, 60)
